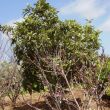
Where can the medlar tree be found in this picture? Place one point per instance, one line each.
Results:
(45, 46)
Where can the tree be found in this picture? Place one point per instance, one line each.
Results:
(44, 46)
(10, 81)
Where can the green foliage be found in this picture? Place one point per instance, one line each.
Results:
(42, 39)
(105, 69)
(6, 29)
(107, 91)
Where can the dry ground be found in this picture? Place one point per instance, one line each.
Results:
(37, 99)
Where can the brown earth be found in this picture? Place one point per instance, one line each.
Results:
(37, 100)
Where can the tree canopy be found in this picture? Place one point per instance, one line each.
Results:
(46, 45)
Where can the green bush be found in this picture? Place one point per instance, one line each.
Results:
(44, 46)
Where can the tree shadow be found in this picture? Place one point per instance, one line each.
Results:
(43, 106)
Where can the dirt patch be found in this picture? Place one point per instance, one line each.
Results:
(37, 100)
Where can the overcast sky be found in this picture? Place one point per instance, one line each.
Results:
(80, 10)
